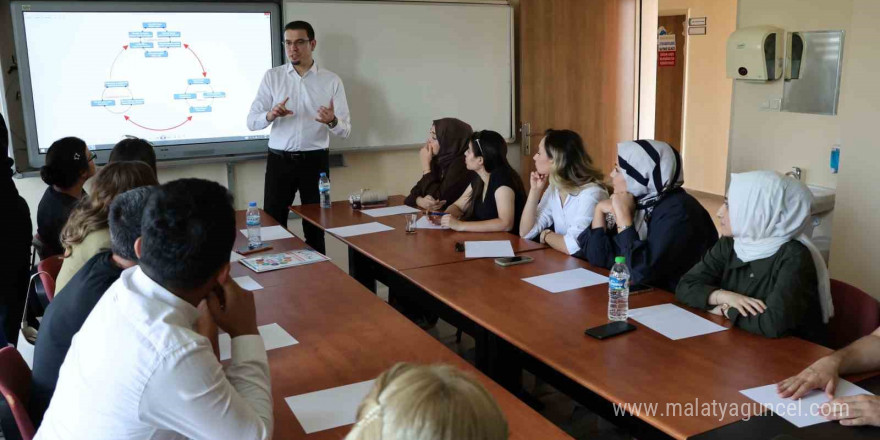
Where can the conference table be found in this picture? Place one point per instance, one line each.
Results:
(528, 327)
(348, 335)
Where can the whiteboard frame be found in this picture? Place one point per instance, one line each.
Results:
(512, 46)
(182, 153)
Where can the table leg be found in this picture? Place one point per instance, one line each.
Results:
(359, 267)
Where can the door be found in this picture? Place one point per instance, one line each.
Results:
(577, 71)
(670, 79)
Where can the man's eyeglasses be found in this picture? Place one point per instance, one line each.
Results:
(301, 43)
(92, 156)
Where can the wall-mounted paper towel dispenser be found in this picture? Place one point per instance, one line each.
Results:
(756, 53)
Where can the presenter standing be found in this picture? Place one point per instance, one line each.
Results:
(304, 103)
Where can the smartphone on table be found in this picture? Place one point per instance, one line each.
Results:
(611, 329)
(512, 261)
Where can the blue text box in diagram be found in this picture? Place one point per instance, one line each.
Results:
(168, 34)
(214, 95)
(192, 81)
(144, 45)
(156, 54)
(103, 103)
(202, 109)
(168, 44)
(154, 24)
(140, 34)
(185, 96)
(131, 102)
(114, 84)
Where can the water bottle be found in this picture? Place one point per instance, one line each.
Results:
(618, 291)
(253, 226)
(324, 189)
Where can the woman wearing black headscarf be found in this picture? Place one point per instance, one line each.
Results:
(444, 174)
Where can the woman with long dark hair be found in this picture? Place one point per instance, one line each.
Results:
(495, 198)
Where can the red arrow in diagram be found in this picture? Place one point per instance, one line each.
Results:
(188, 118)
(125, 47)
(204, 73)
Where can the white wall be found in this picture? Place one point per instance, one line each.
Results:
(780, 140)
(855, 248)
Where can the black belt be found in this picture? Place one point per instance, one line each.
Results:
(295, 155)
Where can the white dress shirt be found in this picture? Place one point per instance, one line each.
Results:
(570, 219)
(300, 131)
(138, 370)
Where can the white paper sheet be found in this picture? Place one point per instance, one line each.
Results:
(269, 233)
(273, 337)
(806, 411)
(391, 210)
(567, 280)
(247, 283)
(235, 256)
(424, 223)
(327, 409)
(488, 249)
(366, 228)
(674, 322)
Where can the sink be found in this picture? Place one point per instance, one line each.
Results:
(823, 199)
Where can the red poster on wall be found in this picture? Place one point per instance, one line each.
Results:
(666, 59)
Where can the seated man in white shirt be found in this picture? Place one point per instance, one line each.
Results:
(137, 369)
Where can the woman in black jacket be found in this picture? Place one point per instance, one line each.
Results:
(661, 230)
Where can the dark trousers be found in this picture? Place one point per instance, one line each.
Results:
(287, 173)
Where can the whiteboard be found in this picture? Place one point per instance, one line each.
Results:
(404, 65)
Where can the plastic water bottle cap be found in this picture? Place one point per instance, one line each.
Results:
(252, 204)
(620, 260)
(323, 174)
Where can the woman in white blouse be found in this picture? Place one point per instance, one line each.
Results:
(575, 187)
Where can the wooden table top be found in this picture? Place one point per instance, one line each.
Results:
(396, 249)
(347, 335)
(639, 367)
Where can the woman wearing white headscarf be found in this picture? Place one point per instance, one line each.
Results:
(764, 275)
(660, 229)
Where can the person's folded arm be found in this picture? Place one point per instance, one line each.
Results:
(189, 392)
(655, 256)
(537, 214)
(695, 286)
(788, 301)
(261, 106)
(504, 200)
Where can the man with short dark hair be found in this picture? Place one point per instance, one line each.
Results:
(304, 104)
(66, 314)
(137, 369)
(133, 148)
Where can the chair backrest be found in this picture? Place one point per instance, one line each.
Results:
(856, 314)
(15, 384)
(49, 269)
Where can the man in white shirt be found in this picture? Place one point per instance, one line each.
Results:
(137, 369)
(304, 103)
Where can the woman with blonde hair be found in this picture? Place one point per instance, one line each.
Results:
(87, 232)
(575, 187)
(430, 402)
